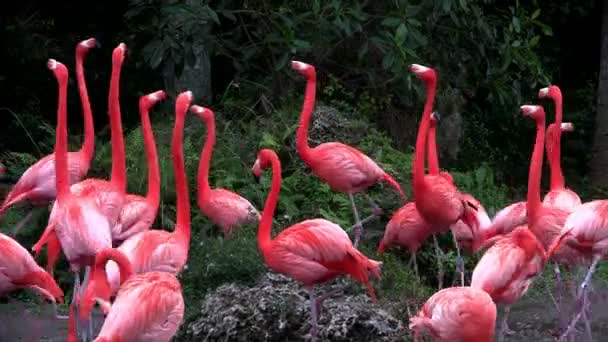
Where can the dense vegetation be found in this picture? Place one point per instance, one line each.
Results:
(491, 57)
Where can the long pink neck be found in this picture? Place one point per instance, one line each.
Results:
(534, 177)
(425, 123)
(88, 147)
(557, 178)
(62, 179)
(101, 285)
(119, 170)
(182, 224)
(203, 166)
(153, 196)
(265, 227)
(432, 153)
(302, 134)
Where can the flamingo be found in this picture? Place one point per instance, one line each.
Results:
(559, 196)
(110, 195)
(506, 269)
(138, 212)
(343, 167)
(224, 207)
(37, 183)
(585, 230)
(312, 251)
(160, 250)
(79, 222)
(456, 314)
(148, 307)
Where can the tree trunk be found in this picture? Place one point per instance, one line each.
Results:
(599, 152)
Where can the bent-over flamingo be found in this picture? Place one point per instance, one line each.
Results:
(506, 270)
(37, 183)
(456, 314)
(343, 167)
(312, 251)
(223, 207)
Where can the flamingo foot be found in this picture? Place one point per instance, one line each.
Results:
(376, 210)
(322, 298)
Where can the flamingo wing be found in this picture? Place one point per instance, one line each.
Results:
(514, 215)
(136, 215)
(564, 199)
(148, 307)
(406, 228)
(589, 225)
(227, 208)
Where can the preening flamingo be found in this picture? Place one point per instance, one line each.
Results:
(456, 314)
(312, 251)
(223, 207)
(585, 230)
(110, 195)
(343, 167)
(148, 307)
(79, 222)
(506, 269)
(160, 250)
(138, 212)
(559, 196)
(37, 184)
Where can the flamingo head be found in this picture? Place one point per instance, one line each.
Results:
(306, 70)
(147, 101)
(83, 47)
(60, 71)
(551, 91)
(533, 111)
(435, 117)
(205, 114)
(424, 73)
(118, 55)
(182, 103)
(98, 287)
(263, 162)
(567, 127)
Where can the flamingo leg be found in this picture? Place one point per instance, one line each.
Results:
(504, 326)
(439, 254)
(581, 298)
(559, 290)
(459, 261)
(376, 210)
(87, 322)
(22, 223)
(364, 221)
(313, 314)
(75, 298)
(414, 264)
(358, 224)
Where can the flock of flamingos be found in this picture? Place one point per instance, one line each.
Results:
(101, 228)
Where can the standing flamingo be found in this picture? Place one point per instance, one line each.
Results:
(456, 314)
(138, 212)
(343, 167)
(506, 269)
(559, 196)
(37, 183)
(110, 195)
(312, 251)
(160, 250)
(79, 222)
(148, 306)
(223, 207)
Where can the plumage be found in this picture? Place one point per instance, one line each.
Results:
(406, 229)
(456, 314)
(463, 233)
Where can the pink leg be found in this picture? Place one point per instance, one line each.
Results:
(439, 254)
(22, 223)
(358, 224)
(313, 314)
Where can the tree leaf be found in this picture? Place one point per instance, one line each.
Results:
(535, 14)
(516, 24)
(391, 22)
(388, 60)
(534, 41)
(401, 33)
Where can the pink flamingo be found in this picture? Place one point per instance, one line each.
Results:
(506, 269)
(312, 251)
(343, 167)
(110, 195)
(559, 196)
(79, 222)
(224, 207)
(138, 212)
(37, 184)
(160, 250)
(456, 314)
(148, 306)
(585, 230)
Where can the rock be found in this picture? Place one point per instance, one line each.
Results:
(277, 309)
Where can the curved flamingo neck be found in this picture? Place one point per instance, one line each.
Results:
(88, 147)
(432, 153)
(302, 134)
(265, 227)
(62, 180)
(534, 176)
(99, 285)
(182, 224)
(203, 166)
(119, 171)
(418, 167)
(557, 177)
(153, 195)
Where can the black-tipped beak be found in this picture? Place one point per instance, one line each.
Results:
(256, 178)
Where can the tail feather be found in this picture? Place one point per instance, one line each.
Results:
(390, 180)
